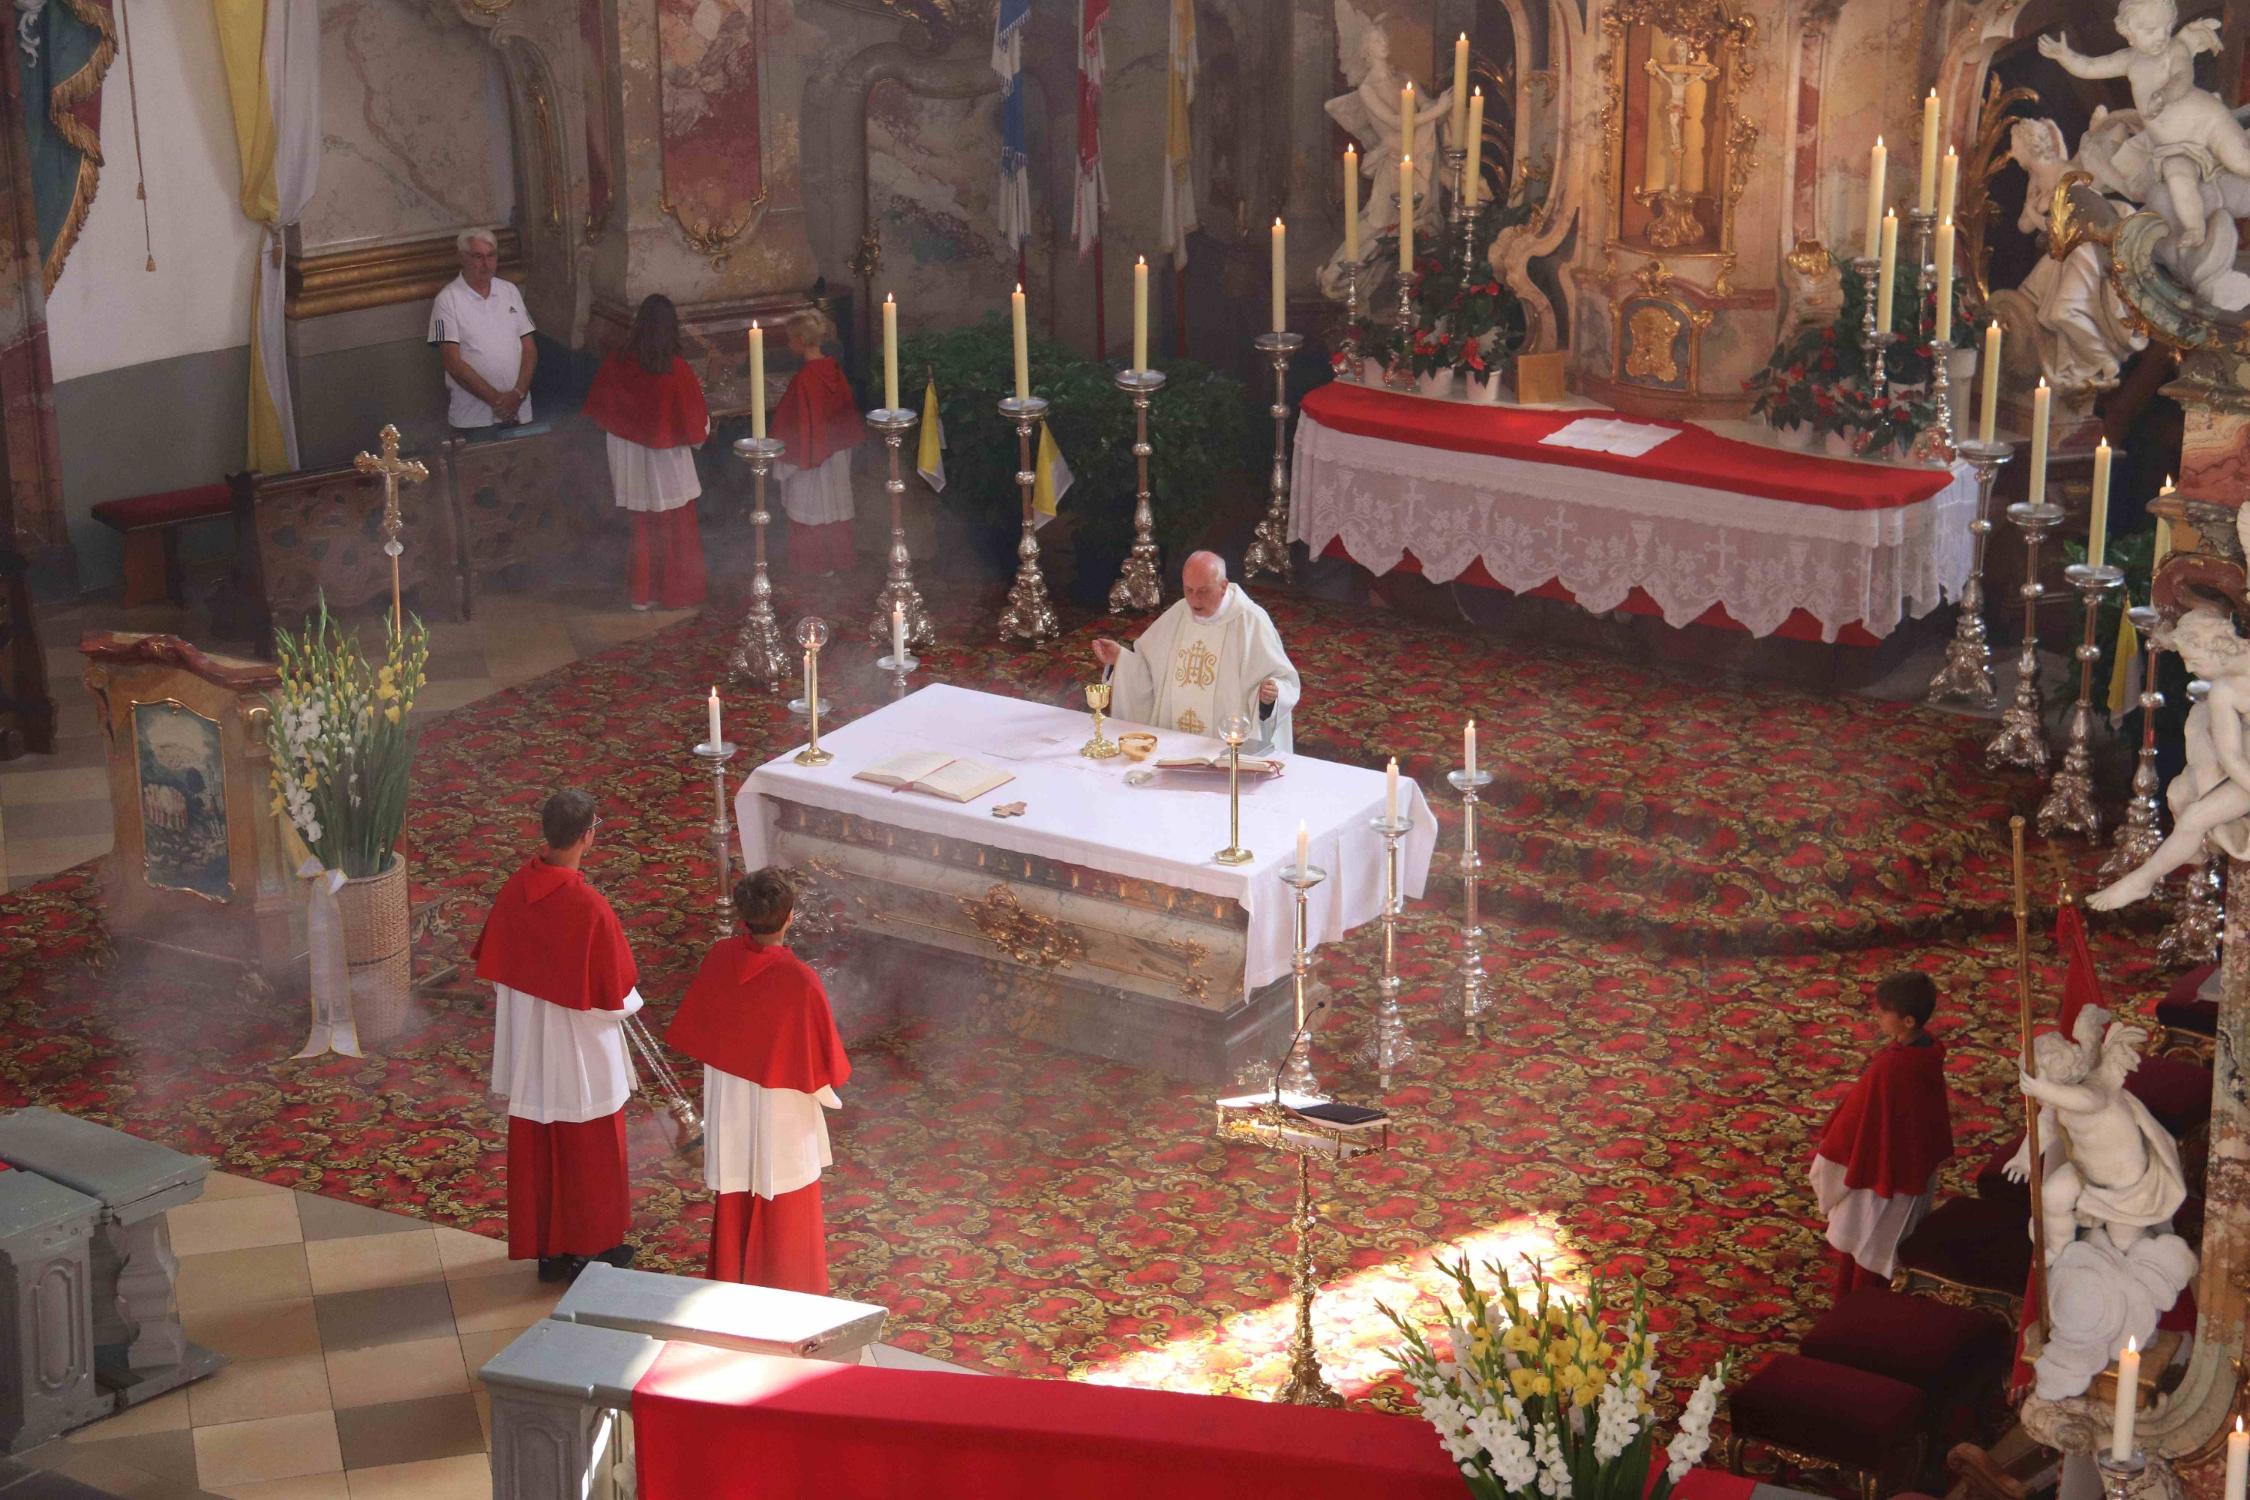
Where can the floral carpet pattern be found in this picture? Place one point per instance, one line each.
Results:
(1690, 890)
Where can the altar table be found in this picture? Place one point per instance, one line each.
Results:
(1106, 892)
(1701, 523)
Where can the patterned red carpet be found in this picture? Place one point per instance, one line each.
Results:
(1691, 888)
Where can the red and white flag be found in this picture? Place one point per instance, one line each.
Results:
(1092, 192)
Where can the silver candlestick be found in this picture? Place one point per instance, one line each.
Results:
(2022, 740)
(894, 423)
(1269, 549)
(1473, 998)
(1400, 370)
(758, 654)
(1924, 227)
(715, 758)
(2142, 830)
(1878, 365)
(1297, 1076)
(1944, 448)
(898, 669)
(1868, 269)
(1028, 617)
(2070, 796)
(1966, 676)
(1389, 1045)
(1138, 586)
(1457, 166)
(1352, 367)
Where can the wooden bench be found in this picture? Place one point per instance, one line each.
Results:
(150, 526)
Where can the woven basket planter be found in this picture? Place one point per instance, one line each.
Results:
(379, 951)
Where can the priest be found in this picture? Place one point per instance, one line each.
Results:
(563, 983)
(758, 1020)
(1212, 654)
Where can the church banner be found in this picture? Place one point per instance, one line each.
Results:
(707, 57)
(65, 48)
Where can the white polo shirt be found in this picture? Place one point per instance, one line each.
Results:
(490, 331)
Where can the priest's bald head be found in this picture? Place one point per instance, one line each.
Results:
(1203, 579)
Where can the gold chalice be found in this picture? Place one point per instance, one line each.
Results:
(1099, 747)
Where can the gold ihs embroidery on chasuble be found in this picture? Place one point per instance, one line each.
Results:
(1192, 684)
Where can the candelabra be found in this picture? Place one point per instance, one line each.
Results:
(2022, 740)
(1138, 585)
(1388, 1045)
(1473, 998)
(812, 634)
(2140, 833)
(757, 648)
(715, 758)
(1966, 676)
(2140, 1477)
(1352, 367)
(1871, 339)
(1269, 549)
(894, 423)
(2070, 796)
(1297, 1075)
(1028, 617)
(1234, 729)
(1923, 223)
(1457, 163)
(1944, 448)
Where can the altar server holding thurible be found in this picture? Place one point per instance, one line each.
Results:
(1212, 654)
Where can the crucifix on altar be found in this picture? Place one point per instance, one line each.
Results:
(391, 468)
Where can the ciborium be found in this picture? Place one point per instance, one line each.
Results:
(1100, 747)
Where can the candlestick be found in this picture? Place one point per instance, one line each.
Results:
(1269, 548)
(1280, 277)
(1388, 1043)
(757, 381)
(1139, 586)
(1874, 340)
(1472, 179)
(1140, 313)
(1234, 729)
(758, 654)
(1351, 205)
(714, 753)
(2097, 514)
(1457, 166)
(1923, 273)
(1023, 345)
(1989, 410)
(2070, 796)
(1405, 216)
(812, 634)
(898, 594)
(890, 350)
(2041, 401)
(1473, 999)
(1353, 369)
(1460, 90)
(2022, 740)
(2128, 1401)
(1028, 617)
(2238, 1462)
(1966, 676)
(1927, 186)
(1875, 185)
(2141, 831)
(1297, 1074)
(712, 704)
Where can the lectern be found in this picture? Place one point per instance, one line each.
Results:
(1309, 1129)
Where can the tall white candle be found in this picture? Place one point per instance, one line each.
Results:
(2163, 531)
(1406, 215)
(1351, 205)
(1473, 172)
(2238, 1461)
(1988, 411)
(898, 634)
(1304, 850)
(1469, 747)
(1875, 186)
(2097, 516)
(1948, 182)
(757, 380)
(1944, 286)
(1390, 791)
(712, 704)
(1280, 277)
(1926, 189)
(2128, 1397)
(1406, 110)
(890, 351)
(812, 679)
(1460, 88)
(1140, 312)
(1023, 346)
(2036, 488)
(1886, 273)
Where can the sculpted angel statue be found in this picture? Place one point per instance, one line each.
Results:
(2211, 798)
(2121, 1174)
(1370, 114)
(2067, 307)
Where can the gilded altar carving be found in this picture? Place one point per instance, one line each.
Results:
(1659, 340)
(1020, 933)
(1986, 155)
(1649, 337)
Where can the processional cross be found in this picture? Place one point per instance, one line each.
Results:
(391, 468)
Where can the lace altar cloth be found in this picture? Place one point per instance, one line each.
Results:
(1765, 532)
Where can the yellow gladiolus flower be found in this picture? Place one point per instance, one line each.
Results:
(1545, 1386)
(391, 713)
(279, 806)
(1525, 1381)
(312, 779)
(1589, 1394)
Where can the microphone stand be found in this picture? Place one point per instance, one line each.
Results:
(1303, 1030)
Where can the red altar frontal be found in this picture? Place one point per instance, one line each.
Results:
(1698, 528)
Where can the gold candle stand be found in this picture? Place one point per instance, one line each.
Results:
(1234, 730)
(758, 655)
(2070, 795)
(812, 634)
(2022, 740)
(1269, 548)
(1296, 1076)
(1473, 998)
(1028, 617)
(1966, 676)
(1388, 1044)
(894, 423)
(1138, 586)
(2142, 830)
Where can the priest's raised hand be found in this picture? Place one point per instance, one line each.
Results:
(1212, 654)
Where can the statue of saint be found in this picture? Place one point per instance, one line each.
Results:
(1370, 114)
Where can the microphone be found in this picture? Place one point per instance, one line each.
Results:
(1281, 1067)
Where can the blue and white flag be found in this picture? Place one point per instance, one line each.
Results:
(1015, 176)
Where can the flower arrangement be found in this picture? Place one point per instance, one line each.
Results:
(1537, 1397)
(1817, 377)
(1468, 323)
(342, 740)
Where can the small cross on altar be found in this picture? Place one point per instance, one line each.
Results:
(392, 469)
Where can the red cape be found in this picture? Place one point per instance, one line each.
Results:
(1893, 1128)
(656, 411)
(757, 1012)
(817, 417)
(552, 935)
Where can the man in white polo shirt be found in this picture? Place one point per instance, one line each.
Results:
(483, 335)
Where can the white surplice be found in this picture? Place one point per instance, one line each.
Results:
(1187, 673)
(760, 1140)
(819, 496)
(559, 1066)
(1866, 1225)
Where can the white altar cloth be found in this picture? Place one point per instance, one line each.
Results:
(1081, 811)
(1602, 534)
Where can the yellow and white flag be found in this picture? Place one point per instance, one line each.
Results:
(1053, 482)
(2125, 671)
(929, 456)
(1177, 214)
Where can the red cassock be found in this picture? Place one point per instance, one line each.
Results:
(563, 979)
(1873, 1170)
(816, 420)
(655, 423)
(758, 1020)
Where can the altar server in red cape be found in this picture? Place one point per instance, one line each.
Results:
(1876, 1170)
(821, 424)
(563, 982)
(758, 1021)
(649, 402)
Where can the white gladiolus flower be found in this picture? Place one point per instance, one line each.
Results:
(1694, 1440)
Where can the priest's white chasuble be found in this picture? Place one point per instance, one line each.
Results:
(1187, 673)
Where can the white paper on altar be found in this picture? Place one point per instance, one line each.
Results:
(1081, 811)
(1609, 435)
(1601, 535)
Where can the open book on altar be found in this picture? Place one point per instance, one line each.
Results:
(1252, 765)
(936, 772)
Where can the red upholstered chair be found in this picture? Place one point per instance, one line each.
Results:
(150, 525)
(1979, 1248)
(2190, 1023)
(1955, 1357)
(2176, 1091)
(1820, 1413)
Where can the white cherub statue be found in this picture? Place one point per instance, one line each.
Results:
(2210, 799)
(2192, 134)
(1370, 114)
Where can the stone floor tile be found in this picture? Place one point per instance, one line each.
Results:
(167, 1413)
(256, 1330)
(333, 1219)
(288, 1386)
(364, 1262)
(270, 1448)
(211, 1225)
(466, 1254)
(516, 1298)
(397, 1372)
(303, 1487)
(468, 1477)
(232, 1278)
(404, 1432)
(388, 1315)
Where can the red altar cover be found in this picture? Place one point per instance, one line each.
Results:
(712, 1424)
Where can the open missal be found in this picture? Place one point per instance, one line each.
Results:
(1252, 765)
(936, 772)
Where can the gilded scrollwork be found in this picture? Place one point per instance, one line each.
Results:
(1019, 933)
(1707, 27)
